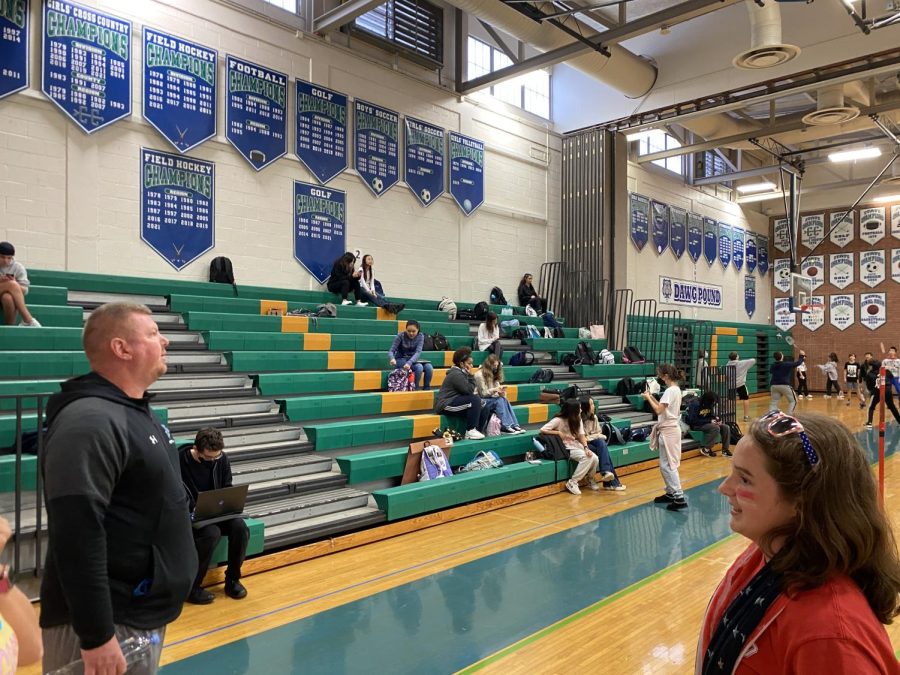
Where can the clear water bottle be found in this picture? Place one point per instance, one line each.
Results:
(136, 651)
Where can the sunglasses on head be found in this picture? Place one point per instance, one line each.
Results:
(780, 425)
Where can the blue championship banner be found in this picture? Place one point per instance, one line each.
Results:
(376, 133)
(737, 247)
(86, 64)
(750, 252)
(424, 168)
(724, 244)
(13, 46)
(179, 89)
(639, 223)
(710, 240)
(750, 295)
(762, 254)
(321, 133)
(677, 230)
(660, 213)
(177, 195)
(466, 171)
(320, 218)
(255, 111)
(695, 236)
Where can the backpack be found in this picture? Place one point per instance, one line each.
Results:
(401, 380)
(379, 289)
(221, 272)
(481, 310)
(439, 343)
(626, 387)
(736, 434)
(570, 361)
(551, 447)
(550, 320)
(485, 459)
(632, 355)
(584, 334)
(525, 358)
(493, 426)
(640, 434)
(447, 305)
(428, 344)
(533, 332)
(509, 327)
(572, 391)
(558, 332)
(530, 311)
(327, 309)
(497, 297)
(606, 356)
(465, 315)
(614, 435)
(584, 355)
(541, 376)
(433, 464)
(520, 333)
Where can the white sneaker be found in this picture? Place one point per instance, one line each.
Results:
(474, 435)
(572, 487)
(826, 396)
(840, 396)
(360, 303)
(347, 302)
(607, 476)
(34, 323)
(593, 486)
(809, 397)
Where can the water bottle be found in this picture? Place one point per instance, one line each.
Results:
(136, 651)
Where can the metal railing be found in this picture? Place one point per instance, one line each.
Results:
(722, 380)
(574, 295)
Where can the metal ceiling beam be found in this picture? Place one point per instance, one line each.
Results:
(609, 37)
(333, 19)
(495, 36)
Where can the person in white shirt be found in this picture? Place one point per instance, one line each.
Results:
(14, 287)
(568, 426)
(802, 382)
(892, 363)
(741, 368)
(667, 433)
(488, 339)
(367, 281)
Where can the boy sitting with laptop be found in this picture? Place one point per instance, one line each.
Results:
(205, 467)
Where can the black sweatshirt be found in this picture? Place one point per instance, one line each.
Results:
(203, 475)
(121, 549)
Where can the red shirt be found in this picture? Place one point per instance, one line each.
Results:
(827, 630)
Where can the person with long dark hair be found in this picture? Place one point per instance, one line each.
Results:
(457, 395)
(488, 339)
(344, 279)
(821, 574)
(568, 426)
(529, 297)
(597, 443)
(667, 434)
(489, 383)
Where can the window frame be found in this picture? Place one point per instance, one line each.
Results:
(389, 42)
(498, 54)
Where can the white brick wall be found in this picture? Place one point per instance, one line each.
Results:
(71, 201)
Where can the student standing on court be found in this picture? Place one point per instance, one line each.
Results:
(873, 382)
(892, 364)
(830, 368)
(864, 368)
(821, 574)
(741, 368)
(851, 376)
(667, 433)
(802, 381)
(782, 373)
(120, 557)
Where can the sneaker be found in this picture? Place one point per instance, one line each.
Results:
(727, 453)
(826, 396)
(235, 589)
(593, 486)
(706, 452)
(200, 596)
(34, 323)
(346, 302)
(677, 505)
(862, 406)
(360, 303)
(474, 435)
(868, 425)
(665, 498)
(607, 476)
(809, 397)
(572, 487)
(746, 418)
(519, 430)
(615, 488)
(507, 430)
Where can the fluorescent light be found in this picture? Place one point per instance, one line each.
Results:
(887, 198)
(761, 197)
(641, 135)
(762, 186)
(850, 155)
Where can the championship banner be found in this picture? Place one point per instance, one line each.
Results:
(177, 210)
(179, 89)
(677, 231)
(762, 254)
(785, 319)
(871, 268)
(750, 252)
(841, 311)
(724, 244)
(782, 233)
(895, 221)
(376, 134)
(895, 264)
(814, 319)
(695, 236)
(674, 291)
(872, 310)
(14, 41)
(750, 295)
(660, 226)
(846, 225)
(737, 247)
(640, 220)
(320, 141)
(871, 224)
(467, 172)
(841, 269)
(255, 111)
(812, 230)
(814, 269)
(424, 166)
(320, 218)
(782, 269)
(710, 240)
(86, 65)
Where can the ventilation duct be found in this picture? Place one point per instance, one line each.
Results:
(623, 70)
(830, 108)
(766, 48)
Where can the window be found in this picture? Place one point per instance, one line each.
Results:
(708, 164)
(530, 91)
(414, 26)
(657, 141)
(289, 5)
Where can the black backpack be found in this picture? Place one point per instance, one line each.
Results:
(632, 355)
(520, 334)
(572, 391)
(439, 342)
(541, 376)
(428, 344)
(481, 310)
(497, 297)
(626, 387)
(554, 449)
(558, 332)
(584, 355)
(736, 434)
(569, 360)
(614, 435)
(525, 358)
(221, 271)
(465, 315)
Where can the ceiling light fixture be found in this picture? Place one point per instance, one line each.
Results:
(762, 186)
(851, 155)
(887, 198)
(640, 135)
(761, 197)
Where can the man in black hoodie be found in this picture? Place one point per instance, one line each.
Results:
(120, 558)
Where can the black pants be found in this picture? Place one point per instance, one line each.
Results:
(539, 305)
(468, 407)
(343, 288)
(802, 386)
(832, 385)
(494, 348)
(888, 403)
(714, 431)
(206, 538)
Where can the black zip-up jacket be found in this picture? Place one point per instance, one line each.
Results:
(220, 475)
(121, 549)
(525, 291)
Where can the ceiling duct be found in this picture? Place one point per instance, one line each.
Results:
(766, 48)
(830, 108)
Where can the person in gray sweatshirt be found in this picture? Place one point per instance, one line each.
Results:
(831, 375)
(457, 396)
(741, 368)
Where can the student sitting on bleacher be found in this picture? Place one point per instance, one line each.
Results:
(488, 339)
(344, 279)
(405, 352)
(204, 466)
(457, 396)
(529, 297)
(367, 281)
(568, 426)
(13, 287)
(701, 416)
(489, 383)
(597, 443)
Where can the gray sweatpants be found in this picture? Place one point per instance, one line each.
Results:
(62, 646)
(779, 390)
(669, 473)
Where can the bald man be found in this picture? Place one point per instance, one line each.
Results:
(121, 556)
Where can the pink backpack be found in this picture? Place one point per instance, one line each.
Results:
(493, 426)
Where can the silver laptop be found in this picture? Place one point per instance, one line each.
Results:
(214, 506)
